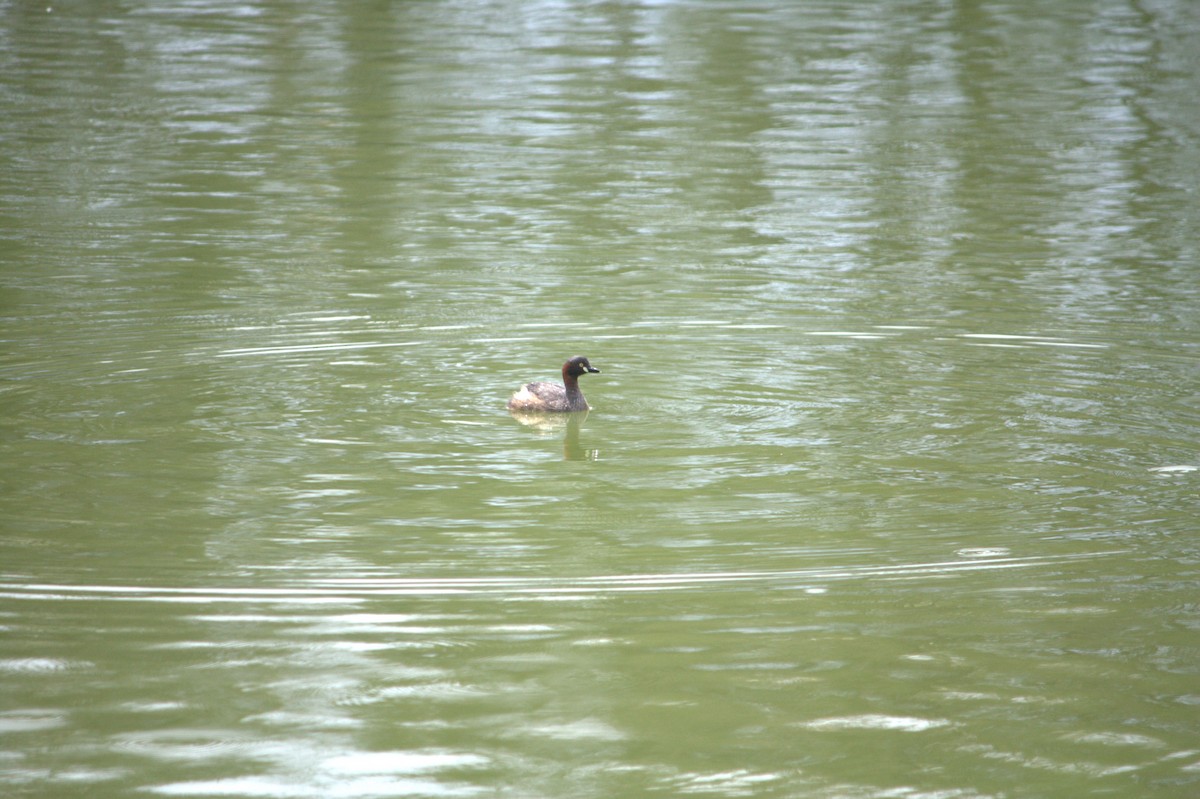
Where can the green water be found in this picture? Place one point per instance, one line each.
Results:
(890, 483)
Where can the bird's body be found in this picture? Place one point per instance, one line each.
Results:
(551, 397)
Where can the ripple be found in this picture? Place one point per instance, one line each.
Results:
(1020, 340)
(280, 788)
(581, 730)
(444, 691)
(1043, 763)
(873, 721)
(183, 745)
(983, 552)
(320, 590)
(42, 665)
(402, 762)
(1117, 739)
(739, 782)
(31, 720)
(288, 349)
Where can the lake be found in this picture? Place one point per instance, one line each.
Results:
(889, 487)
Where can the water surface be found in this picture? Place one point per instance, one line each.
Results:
(889, 485)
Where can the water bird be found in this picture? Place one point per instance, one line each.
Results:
(543, 397)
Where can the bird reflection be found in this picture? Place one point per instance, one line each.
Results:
(568, 423)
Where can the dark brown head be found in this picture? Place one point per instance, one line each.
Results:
(577, 366)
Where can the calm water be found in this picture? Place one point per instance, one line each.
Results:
(890, 484)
